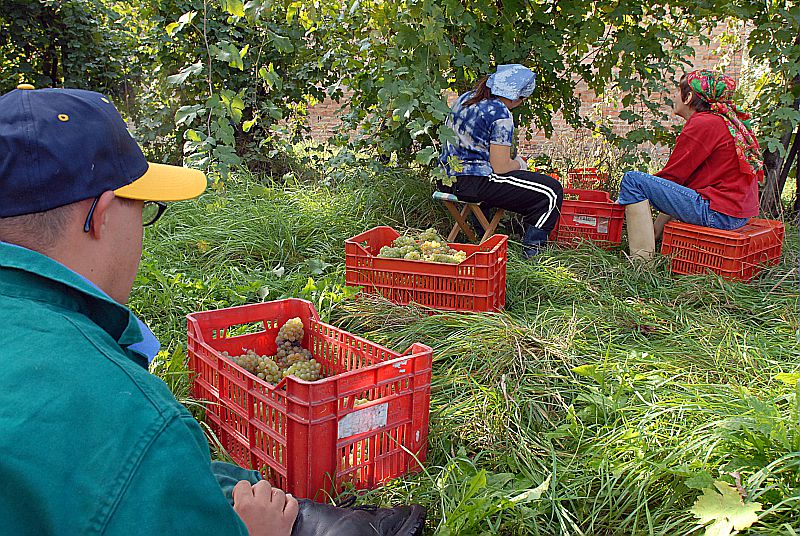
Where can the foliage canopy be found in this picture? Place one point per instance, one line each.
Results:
(224, 77)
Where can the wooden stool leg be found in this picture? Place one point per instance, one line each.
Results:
(453, 232)
(492, 225)
(465, 226)
(478, 213)
(461, 223)
(488, 227)
(455, 214)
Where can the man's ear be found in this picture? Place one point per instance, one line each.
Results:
(101, 215)
(688, 98)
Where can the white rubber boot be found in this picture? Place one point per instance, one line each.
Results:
(641, 236)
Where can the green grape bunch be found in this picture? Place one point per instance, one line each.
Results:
(309, 371)
(404, 240)
(390, 252)
(291, 331)
(290, 358)
(268, 370)
(427, 246)
(261, 366)
(284, 349)
(430, 235)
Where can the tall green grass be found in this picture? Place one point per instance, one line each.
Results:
(601, 401)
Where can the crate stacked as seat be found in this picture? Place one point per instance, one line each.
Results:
(587, 179)
(589, 215)
(739, 254)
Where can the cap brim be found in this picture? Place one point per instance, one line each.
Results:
(162, 182)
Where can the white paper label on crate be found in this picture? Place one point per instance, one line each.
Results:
(363, 420)
(580, 219)
(602, 225)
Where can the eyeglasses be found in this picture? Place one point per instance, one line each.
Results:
(151, 212)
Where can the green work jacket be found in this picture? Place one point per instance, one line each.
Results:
(90, 441)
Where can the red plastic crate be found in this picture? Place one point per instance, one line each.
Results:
(589, 215)
(476, 284)
(310, 438)
(738, 254)
(586, 178)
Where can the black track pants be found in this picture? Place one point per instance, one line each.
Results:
(535, 196)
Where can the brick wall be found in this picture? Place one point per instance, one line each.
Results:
(324, 117)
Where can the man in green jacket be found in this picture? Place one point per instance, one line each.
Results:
(91, 442)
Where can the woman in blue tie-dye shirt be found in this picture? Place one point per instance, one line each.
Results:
(480, 156)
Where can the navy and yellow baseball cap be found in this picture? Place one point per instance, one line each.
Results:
(60, 146)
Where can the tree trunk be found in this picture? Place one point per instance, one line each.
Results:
(773, 186)
(774, 179)
(797, 190)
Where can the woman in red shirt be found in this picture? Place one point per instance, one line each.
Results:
(712, 175)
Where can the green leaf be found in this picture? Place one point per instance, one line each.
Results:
(317, 266)
(187, 114)
(180, 78)
(175, 27)
(226, 51)
(272, 78)
(247, 125)
(292, 10)
(532, 494)
(725, 510)
(478, 482)
(426, 155)
(417, 128)
(234, 7)
(192, 135)
(701, 480)
(310, 286)
(590, 371)
(282, 44)
(237, 108)
(406, 106)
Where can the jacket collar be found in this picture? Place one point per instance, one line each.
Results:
(25, 273)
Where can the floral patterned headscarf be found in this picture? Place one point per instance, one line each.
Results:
(717, 89)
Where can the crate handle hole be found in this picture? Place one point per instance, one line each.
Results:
(247, 328)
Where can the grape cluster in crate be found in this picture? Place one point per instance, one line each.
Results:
(290, 359)
(427, 246)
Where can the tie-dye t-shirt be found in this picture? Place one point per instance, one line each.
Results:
(476, 127)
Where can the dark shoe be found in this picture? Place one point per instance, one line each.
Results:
(317, 519)
(533, 241)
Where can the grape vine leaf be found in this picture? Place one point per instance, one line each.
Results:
(725, 509)
(701, 480)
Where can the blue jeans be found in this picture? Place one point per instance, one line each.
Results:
(680, 202)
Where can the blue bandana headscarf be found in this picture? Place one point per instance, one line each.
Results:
(512, 81)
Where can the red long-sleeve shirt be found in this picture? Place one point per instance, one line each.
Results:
(705, 160)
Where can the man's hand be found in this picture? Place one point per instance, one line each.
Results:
(523, 165)
(266, 511)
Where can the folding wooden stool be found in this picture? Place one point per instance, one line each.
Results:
(461, 216)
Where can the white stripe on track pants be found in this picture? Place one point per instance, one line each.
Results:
(535, 196)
